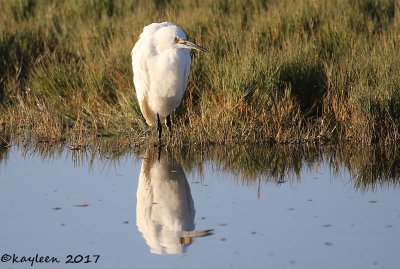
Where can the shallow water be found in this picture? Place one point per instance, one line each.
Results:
(191, 211)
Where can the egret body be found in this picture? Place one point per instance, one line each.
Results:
(161, 64)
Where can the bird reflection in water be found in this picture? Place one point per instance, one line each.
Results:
(165, 210)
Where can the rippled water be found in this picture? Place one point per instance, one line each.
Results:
(218, 209)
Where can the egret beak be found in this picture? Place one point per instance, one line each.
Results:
(191, 45)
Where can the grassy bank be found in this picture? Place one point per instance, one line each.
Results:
(283, 71)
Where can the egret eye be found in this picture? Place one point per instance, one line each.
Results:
(179, 40)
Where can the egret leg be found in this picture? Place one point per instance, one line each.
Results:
(169, 124)
(159, 128)
(159, 148)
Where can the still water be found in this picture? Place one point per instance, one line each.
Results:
(222, 209)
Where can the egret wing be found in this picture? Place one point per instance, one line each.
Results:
(141, 77)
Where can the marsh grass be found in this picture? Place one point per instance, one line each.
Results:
(277, 71)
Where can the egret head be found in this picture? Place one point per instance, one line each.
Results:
(183, 43)
(167, 35)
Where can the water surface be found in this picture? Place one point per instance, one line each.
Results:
(188, 210)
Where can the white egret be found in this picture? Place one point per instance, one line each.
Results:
(165, 211)
(161, 64)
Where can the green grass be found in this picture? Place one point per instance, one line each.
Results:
(286, 70)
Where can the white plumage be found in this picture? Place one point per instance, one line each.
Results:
(161, 64)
